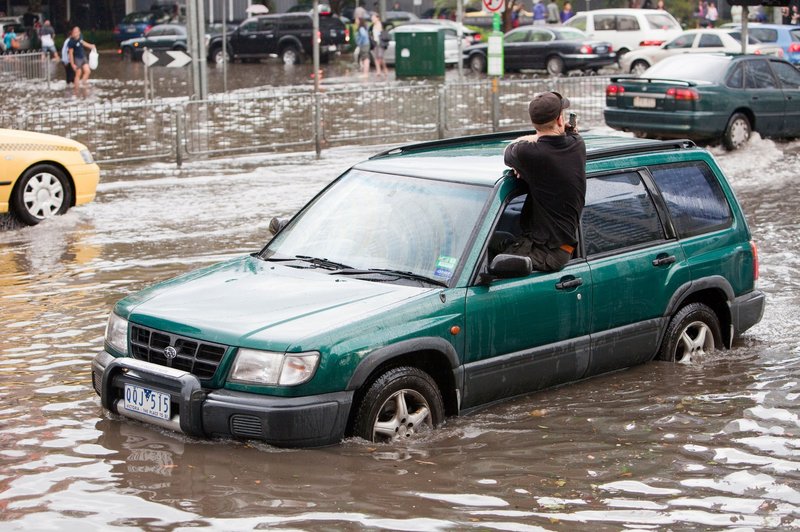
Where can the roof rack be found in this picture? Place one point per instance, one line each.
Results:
(627, 149)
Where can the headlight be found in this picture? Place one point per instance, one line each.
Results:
(87, 156)
(264, 367)
(117, 334)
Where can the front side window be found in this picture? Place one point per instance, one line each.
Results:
(789, 75)
(695, 201)
(682, 41)
(368, 220)
(619, 213)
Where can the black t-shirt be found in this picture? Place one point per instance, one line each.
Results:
(76, 45)
(554, 168)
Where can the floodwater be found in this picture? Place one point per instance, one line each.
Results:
(712, 445)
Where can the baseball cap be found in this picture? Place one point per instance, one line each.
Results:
(546, 106)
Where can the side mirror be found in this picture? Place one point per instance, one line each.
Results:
(506, 266)
(276, 224)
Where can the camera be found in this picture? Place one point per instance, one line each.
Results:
(572, 121)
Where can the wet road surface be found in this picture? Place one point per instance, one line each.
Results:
(708, 446)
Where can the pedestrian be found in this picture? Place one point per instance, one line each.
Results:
(660, 5)
(516, 15)
(47, 35)
(795, 15)
(78, 58)
(360, 12)
(362, 46)
(539, 13)
(10, 40)
(379, 38)
(736, 14)
(552, 164)
(700, 14)
(70, 73)
(712, 14)
(566, 13)
(553, 16)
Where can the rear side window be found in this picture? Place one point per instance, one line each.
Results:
(619, 213)
(604, 22)
(627, 23)
(693, 196)
(764, 34)
(710, 41)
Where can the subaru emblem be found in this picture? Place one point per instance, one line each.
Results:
(170, 353)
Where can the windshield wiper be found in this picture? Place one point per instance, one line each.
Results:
(398, 273)
(323, 263)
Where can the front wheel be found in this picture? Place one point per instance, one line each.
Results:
(290, 56)
(737, 132)
(42, 192)
(399, 404)
(639, 66)
(477, 63)
(555, 65)
(693, 331)
(217, 56)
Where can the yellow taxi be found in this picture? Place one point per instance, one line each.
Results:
(43, 175)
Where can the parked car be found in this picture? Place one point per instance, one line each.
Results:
(379, 317)
(694, 41)
(557, 49)
(627, 29)
(138, 23)
(399, 17)
(708, 97)
(161, 37)
(289, 36)
(44, 175)
(787, 37)
(451, 54)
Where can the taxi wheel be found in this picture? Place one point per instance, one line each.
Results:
(399, 405)
(737, 132)
(694, 331)
(42, 192)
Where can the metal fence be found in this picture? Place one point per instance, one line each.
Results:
(287, 118)
(26, 66)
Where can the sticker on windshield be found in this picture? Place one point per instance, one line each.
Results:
(444, 267)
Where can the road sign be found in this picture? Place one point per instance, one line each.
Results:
(168, 58)
(494, 6)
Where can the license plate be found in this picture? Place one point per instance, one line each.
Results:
(131, 29)
(601, 49)
(147, 401)
(639, 101)
(331, 47)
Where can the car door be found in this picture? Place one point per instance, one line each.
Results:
(527, 333)
(789, 78)
(764, 97)
(636, 265)
(515, 44)
(161, 38)
(542, 44)
(244, 39)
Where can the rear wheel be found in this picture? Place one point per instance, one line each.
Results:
(639, 66)
(477, 63)
(217, 56)
(290, 56)
(737, 132)
(693, 331)
(555, 65)
(398, 405)
(42, 192)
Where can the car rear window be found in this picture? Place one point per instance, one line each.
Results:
(694, 199)
(137, 18)
(764, 34)
(795, 35)
(619, 213)
(660, 21)
(697, 68)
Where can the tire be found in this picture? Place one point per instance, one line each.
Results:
(621, 52)
(737, 132)
(477, 63)
(290, 55)
(694, 330)
(555, 65)
(217, 56)
(639, 66)
(42, 192)
(399, 404)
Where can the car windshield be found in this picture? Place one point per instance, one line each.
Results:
(698, 68)
(370, 221)
(571, 34)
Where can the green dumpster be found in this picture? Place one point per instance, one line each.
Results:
(419, 52)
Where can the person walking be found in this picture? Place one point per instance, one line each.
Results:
(539, 13)
(362, 46)
(553, 16)
(68, 71)
(712, 14)
(377, 43)
(11, 40)
(566, 13)
(78, 58)
(47, 35)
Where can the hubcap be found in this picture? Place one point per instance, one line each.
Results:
(43, 195)
(289, 57)
(554, 67)
(740, 132)
(696, 339)
(401, 416)
(638, 68)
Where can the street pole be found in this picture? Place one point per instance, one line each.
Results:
(224, 51)
(315, 47)
(745, 16)
(460, 37)
(195, 33)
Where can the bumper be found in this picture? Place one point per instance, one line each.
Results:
(85, 178)
(747, 310)
(694, 125)
(282, 421)
(588, 61)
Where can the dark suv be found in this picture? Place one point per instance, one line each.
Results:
(289, 36)
(384, 306)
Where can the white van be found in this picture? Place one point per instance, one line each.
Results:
(627, 29)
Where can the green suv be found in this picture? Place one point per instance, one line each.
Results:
(383, 305)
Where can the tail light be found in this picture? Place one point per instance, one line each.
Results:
(586, 49)
(651, 43)
(116, 31)
(679, 93)
(477, 38)
(754, 249)
(147, 29)
(612, 91)
(347, 35)
(319, 37)
(794, 47)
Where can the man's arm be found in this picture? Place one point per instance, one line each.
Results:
(511, 156)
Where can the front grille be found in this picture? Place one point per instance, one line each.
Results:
(198, 358)
(246, 426)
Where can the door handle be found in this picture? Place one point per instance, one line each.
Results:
(566, 284)
(663, 260)
(754, 98)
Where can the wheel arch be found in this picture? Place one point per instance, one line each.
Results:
(290, 41)
(716, 293)
(58, 165)
(747, 112)
(435, 356)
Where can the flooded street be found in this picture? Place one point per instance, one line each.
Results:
(711, 445)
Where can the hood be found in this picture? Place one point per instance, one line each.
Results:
(249, 302)
(16, 136)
